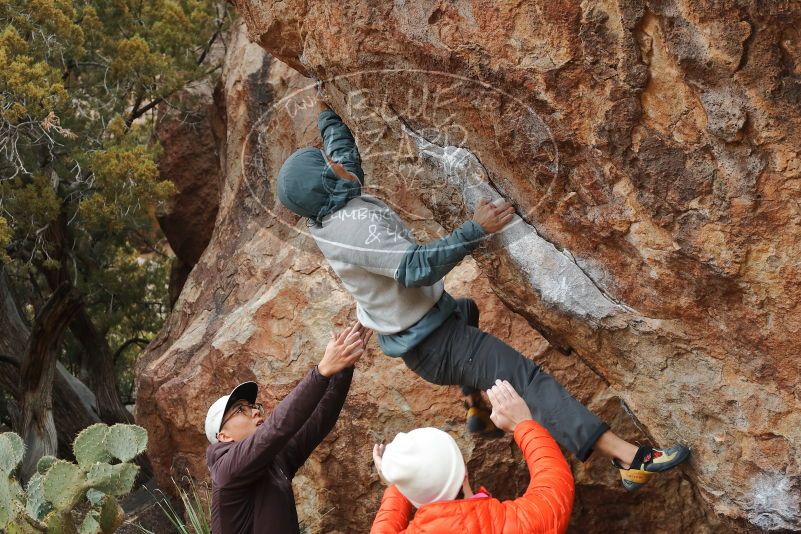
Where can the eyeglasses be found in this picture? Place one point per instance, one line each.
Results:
(242, 408)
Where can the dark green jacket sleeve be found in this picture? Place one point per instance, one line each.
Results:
(338, 142)
(423, 265)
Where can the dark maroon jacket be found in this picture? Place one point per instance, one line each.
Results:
(252, 479)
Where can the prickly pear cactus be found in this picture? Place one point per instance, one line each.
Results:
(89, 446)
(37, 506)
(63, 485)
(44, 464)
(117, 479)
(11, 451)
(6, 504)
(101, 474)
(124, 442)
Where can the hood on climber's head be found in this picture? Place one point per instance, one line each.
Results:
(308, 186)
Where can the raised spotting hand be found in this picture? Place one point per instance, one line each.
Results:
(508, 408)
(344, 349)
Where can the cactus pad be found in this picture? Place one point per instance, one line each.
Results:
(56, 524)
(111, 515)
(124, 442)
(115, 479)
(90, 446)
(94, 496)
(91, 523)
(63, 484)
(36, 505)
(44, 464)
(6, 508)
(12, 449)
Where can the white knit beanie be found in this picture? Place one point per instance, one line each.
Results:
(425, 464)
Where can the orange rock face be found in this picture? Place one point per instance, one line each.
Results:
(651, 151)
(260, 304)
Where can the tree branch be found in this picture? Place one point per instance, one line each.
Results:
(9, 359)
(121, 349)
(137, 111)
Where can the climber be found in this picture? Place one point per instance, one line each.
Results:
(426, 470)
(252, 460)
(398, 288)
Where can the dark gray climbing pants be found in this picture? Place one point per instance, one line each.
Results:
(458, 353)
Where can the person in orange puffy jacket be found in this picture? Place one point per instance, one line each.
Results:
(425, 469)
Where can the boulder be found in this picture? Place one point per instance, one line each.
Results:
(651, 150)
(190, 131)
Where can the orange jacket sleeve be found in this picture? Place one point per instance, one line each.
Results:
(393, 515)
(548, 501)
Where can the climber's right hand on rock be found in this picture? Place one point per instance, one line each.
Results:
(493, 217)
(508, 408)
(344, 349)
(320, 104)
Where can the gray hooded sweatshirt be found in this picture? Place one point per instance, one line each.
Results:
(396, 282)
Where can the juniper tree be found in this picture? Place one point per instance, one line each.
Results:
(79, 182)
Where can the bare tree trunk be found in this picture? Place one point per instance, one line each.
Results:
(37, 373)
(97, 358)
(14, 332)
(101, 379)
(73, 404)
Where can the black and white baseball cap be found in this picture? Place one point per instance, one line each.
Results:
(214, 417)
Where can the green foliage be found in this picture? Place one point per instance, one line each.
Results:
(81, 80)
(79, 182)
(5, 239)
(197, 507)
(61, 488)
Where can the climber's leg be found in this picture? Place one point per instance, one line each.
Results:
(478, 411)
(570, 423)
(457, 353)
(613, 446)
(470, 312)
(478, 420)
